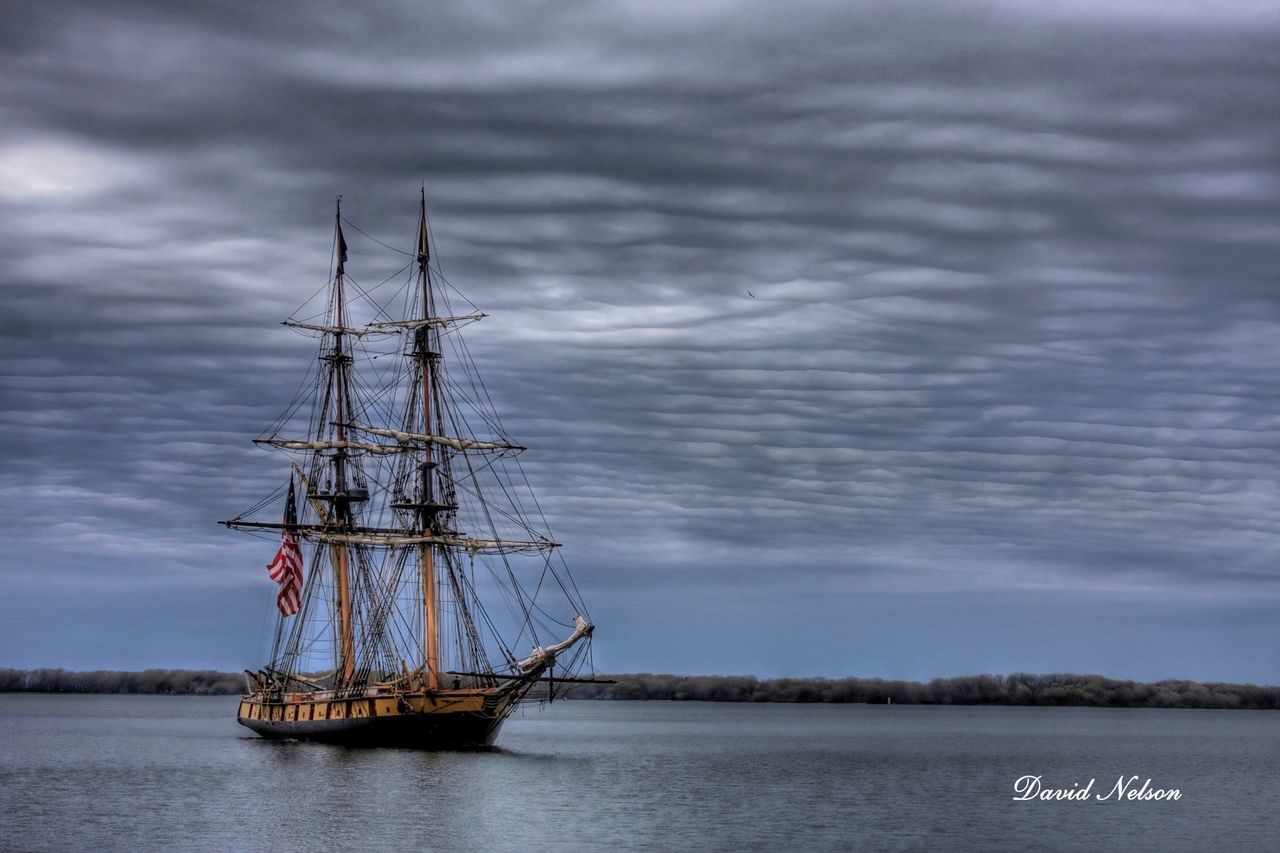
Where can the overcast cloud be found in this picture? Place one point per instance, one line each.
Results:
(877, 339)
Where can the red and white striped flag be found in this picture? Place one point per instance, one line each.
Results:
(286, 568)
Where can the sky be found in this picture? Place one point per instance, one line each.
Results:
(891, 339)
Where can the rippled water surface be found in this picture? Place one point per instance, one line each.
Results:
(143, 772)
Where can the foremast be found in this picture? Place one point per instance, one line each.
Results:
(340, 365)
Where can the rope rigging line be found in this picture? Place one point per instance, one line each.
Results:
(376, 240)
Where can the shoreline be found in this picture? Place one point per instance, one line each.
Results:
(1014, 690)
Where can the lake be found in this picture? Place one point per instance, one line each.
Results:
(152, 772)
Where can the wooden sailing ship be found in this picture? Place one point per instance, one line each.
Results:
(409, 526)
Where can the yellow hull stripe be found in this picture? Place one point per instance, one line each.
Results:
(351, 709)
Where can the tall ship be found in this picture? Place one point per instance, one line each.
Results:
(420, 597)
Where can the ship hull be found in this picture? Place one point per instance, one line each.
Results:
(459, 720)
(412, 731)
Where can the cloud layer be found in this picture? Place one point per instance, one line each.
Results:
(798, 311)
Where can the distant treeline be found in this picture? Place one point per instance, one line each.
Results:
(167, 681)
(1016, 689)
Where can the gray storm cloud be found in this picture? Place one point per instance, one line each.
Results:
(795, 310)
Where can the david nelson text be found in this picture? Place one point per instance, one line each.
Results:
(1126, 788)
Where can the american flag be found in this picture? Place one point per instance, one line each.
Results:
(286, 568)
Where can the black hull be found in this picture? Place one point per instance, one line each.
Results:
(414, 731)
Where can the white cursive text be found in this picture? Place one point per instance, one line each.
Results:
(1126, 788)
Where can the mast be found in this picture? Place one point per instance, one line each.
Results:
(426, 558)
(342, 508)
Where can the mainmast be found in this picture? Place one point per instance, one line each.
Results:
(339, 364)
(428, 508)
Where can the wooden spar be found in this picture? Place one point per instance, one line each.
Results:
(427, 567)
(426, 560)
(566, 680)
(338, 553)
(386, 536)
(346, 656)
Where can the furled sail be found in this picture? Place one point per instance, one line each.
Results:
(423, 322)
(319, 327)
(442, 440)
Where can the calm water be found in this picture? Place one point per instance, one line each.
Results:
(120, 772)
